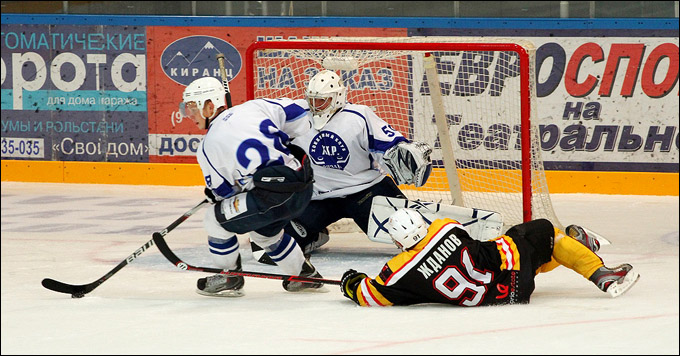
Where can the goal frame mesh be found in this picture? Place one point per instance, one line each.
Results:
(531, 163)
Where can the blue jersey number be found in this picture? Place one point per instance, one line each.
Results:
(389, 131)
(269, 130)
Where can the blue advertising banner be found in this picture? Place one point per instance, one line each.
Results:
(74, 93)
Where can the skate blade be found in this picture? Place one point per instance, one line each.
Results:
(618, 288)
(601, 239)
(223, 294)
(321, 289)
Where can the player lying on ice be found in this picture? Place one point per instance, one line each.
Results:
(441, 263)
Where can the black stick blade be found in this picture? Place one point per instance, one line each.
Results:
(61, 287)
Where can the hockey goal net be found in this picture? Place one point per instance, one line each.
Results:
(480, 122)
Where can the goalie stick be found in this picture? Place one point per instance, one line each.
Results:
(79, 290)
(165, 250)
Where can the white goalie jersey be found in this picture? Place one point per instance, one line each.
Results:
(347, 153)
(248, 137)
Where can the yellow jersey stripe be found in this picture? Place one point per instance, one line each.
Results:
(508, 252)
(369, 295)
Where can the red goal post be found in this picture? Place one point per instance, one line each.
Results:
(480, 123)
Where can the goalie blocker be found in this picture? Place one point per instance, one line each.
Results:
(409, 163)
(481, 224)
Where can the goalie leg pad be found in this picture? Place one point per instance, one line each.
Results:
(359, 205)
(481, 224)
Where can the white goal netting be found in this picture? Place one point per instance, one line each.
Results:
(486, 148)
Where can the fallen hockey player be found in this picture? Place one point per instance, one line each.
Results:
(441, 263)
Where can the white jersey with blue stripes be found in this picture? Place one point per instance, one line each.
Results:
(248, 137)
(347, 152)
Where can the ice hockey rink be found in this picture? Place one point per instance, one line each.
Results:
(76, 233)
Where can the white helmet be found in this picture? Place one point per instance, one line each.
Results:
(325, 85)
(202, 90)
(406, 228)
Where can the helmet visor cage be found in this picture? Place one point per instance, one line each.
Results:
(319, 105)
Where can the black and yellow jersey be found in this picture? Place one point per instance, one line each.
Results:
(448, 266)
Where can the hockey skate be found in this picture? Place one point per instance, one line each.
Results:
(321, 240)
(308, 270)
(615, 281)
(580, 235)
(222, 285)
(260, 256)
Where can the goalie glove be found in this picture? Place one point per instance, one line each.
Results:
(350, 283)
(409, 163)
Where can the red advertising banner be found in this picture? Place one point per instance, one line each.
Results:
(178, 55)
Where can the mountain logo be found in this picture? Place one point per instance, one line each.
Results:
(193, 57)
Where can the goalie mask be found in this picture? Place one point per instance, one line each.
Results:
(197, 94)
(326, 95)
(406, 228)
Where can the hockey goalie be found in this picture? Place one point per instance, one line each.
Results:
(353, 154)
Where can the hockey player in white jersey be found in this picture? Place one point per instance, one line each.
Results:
(256, 181)
(352, 150)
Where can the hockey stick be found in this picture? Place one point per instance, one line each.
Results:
(79, 290)
(225, 80)
(165, 250)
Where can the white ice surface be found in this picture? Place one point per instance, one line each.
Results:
(76, 233)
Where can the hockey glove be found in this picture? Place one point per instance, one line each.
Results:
(210, 195)
(409, 163)
(350, 283)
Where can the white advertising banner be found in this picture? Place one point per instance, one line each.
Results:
(608, 103)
